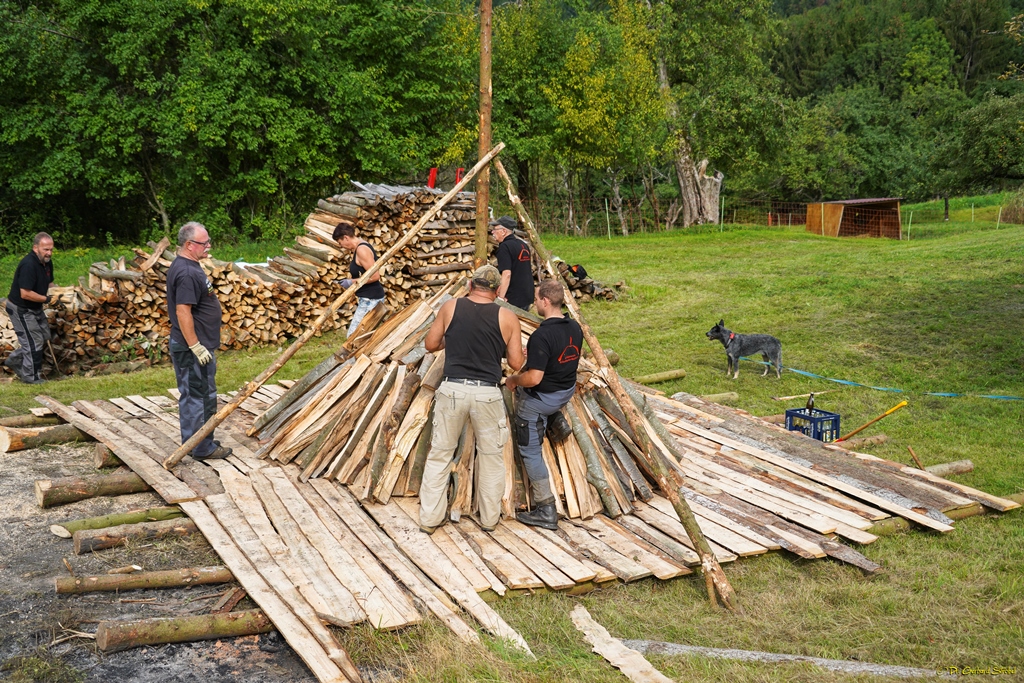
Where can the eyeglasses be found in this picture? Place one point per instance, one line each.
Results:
(205, 244)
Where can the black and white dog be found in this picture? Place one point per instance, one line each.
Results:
(737, 345)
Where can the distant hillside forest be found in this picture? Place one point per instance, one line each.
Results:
(121, 119)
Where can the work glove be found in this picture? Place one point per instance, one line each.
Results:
(52, 299)
(202, 354)
(346, 283)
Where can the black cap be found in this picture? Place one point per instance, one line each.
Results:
(506, 222)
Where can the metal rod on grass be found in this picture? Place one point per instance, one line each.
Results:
(250, 388)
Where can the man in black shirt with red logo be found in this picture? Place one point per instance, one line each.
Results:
(514, 264)
(546, 383)
(29, 291)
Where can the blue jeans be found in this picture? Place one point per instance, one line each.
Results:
(198, 401)
(531, 422)
(364, 307)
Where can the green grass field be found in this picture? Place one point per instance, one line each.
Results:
(941, 313)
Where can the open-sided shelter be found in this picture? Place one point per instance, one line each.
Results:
(856, 218)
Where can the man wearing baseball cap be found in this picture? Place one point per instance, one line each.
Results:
(475, 334)
(514, 264)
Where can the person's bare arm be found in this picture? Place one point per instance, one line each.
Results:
(186, 323)
(29, 295)
(434, 341)
(513, 334)
(364, 257)
(526, 379)
(506, 279)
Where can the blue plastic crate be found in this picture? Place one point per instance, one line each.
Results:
(820, 424)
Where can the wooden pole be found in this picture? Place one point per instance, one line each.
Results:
(91, 540)
(66, 529)
(250, 388)
(171, 578)
(868, 424)
(660, 376)
(114, 636)
(715, 578)
(917, 460)
(24, 438)
(483, 181)
(50, 492)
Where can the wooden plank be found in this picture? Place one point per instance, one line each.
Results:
(630, 662)
(129, 407)
(623, 567)
(414, 543)
(819, 477)
(673, 548)
(342, 606)
(507, 566)
(170, 488)
(609, 534)
(382, 613)
(601, 574)
(727, 538)
(554, 553)
(153, 409)
(367, 531)
(670, 525)
(552, 577)
(462, 544)
(291, 627)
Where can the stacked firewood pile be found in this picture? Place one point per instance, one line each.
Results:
(119, 312)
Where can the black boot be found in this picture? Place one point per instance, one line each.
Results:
(542, 516)
(558, 429)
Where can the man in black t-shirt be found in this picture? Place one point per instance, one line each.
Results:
(194, 310)
(29, 291)
(514, 264)
(546, 383)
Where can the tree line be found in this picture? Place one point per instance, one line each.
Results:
(121, 119)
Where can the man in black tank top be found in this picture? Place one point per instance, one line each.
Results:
(475, 334)
(363, 257)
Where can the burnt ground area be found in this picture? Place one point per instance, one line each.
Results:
(34, 619)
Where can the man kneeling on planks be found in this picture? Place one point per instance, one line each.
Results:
(475, 333)
(545, 385)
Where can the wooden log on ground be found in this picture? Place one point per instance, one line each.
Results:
(50, 492)
(720, 398)
(67, 529)
(103, 457)
(858, 441)
(660, 376)
(90, 540)
(171, 578)
(114, 636)
(30, 421)
(947, 468)
(23, 438)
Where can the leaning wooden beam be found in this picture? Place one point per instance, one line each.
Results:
(296, 390)
(65, 529)
(91, 540)
(171, 578)
(717, 583)
(114, 636)
(23, 438)
(50, 492)
(250, 388)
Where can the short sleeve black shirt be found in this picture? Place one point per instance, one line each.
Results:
(187, 283)
(514, 255)
(555, 348)
(33, 275)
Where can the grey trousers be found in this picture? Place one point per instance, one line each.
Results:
(33, 332)
(531, 422)
(198, 401)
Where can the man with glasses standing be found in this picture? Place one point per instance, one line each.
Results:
(195, 313)
(33, 279)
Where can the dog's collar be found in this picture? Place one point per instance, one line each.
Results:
(732, 335)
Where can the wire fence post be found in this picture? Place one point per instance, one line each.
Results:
(999, 218)
(972, 213)
(607, 218)
(909, 224)
(721, 215)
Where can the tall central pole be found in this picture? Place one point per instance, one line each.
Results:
(483, 180)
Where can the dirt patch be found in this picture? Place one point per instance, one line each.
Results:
(33, 616)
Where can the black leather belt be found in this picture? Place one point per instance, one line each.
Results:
(470, 382)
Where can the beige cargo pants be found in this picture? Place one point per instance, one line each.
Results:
(453, 403)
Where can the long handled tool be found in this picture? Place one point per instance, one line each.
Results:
(868, 424)
(714, 577)
(250, 388)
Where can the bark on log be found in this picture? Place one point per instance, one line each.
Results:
(114, 636)
(103, 457)
(172, 578)
(90, 540)
(50, 492)
(23, 438)
(947, 468)
(30, 421)
(67, 529)
(660, 376)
